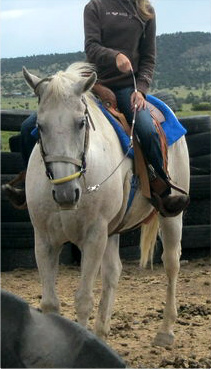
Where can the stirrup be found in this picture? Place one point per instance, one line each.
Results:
(16, 196)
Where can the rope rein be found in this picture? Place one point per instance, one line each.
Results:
(96, 187)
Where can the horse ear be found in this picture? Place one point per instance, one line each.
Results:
(31, 80)
(85, 85)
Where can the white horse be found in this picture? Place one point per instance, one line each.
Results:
(62, 209)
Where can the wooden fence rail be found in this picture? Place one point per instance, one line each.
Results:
(11, 120)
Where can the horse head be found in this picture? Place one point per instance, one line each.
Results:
(62, 127)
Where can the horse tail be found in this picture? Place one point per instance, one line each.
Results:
(148, 240)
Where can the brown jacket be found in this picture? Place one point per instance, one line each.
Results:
(113, 27)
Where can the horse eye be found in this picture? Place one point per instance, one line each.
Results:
(82, 123)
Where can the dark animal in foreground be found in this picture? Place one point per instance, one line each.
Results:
(31, 339)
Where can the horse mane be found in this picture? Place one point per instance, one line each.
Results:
(80, 70)
(61, 83)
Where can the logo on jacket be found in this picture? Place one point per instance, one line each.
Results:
(117, 13)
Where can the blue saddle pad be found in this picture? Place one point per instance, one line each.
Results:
(172, 127)
(123, 137)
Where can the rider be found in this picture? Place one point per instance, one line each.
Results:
(120, 37)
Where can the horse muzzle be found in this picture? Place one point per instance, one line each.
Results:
(68, 194)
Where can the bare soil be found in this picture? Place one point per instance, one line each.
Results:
(138, 311)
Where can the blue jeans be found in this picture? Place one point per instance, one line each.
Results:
(27, 140)
(144, 129)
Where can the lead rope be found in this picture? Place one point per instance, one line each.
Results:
(96, 187)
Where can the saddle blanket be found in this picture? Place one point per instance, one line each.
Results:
(172, 127)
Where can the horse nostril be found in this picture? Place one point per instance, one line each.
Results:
(54, 195)
(77, 194)
(68, 196)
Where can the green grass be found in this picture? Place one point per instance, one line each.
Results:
(183, 91)
(187, 111)
(15, 103)
(5, 139)
(19, 103)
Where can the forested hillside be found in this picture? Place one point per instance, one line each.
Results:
(182, 59)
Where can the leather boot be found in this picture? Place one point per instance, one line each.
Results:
(170, 206)
(15, 195)
(166, 204)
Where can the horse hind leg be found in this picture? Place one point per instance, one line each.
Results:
(47, 257)
(110, 270)
(171, 232)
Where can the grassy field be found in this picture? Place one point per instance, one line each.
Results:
(5, 140)
(30, 103)
(187, 111)
(183, 91)
(19, 103)
(15, 103)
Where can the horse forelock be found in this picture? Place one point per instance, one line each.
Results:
(80, 70)
(61, 84)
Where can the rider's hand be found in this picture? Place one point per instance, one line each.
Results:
(123, 63)
(138, 98)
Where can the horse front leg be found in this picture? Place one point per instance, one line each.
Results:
(171, 239)
(47, 258)
(110, 270)
(92, 248)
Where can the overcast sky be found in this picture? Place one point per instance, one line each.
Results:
(34, 27)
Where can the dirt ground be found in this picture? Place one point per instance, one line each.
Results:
(138, 311)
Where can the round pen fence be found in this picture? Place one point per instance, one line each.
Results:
(17, 231)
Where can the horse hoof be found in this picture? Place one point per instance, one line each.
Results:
(102, 336)
(101, 333)
(163, 339)
(47, 308)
